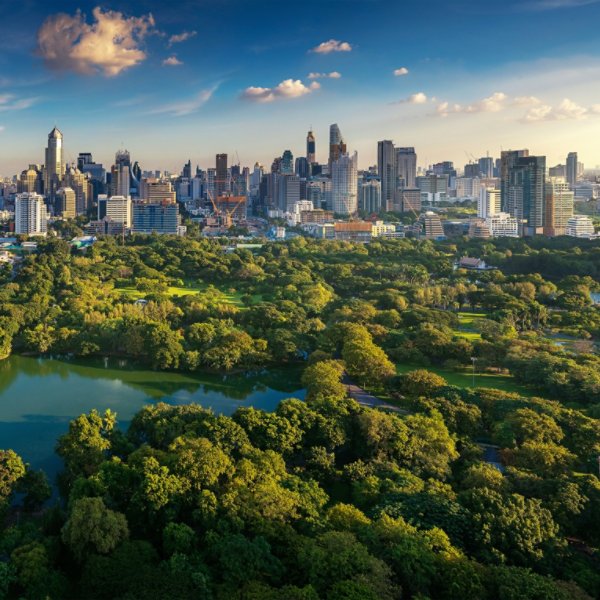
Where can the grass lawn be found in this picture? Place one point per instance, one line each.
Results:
(227, 297)
(467, 325)
(506, 383)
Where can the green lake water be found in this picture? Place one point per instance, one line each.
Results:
(39, 396)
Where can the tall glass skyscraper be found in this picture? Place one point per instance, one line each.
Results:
(54, 168)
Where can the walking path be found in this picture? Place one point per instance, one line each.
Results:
(366, 399)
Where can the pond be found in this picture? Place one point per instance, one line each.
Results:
(39, 396)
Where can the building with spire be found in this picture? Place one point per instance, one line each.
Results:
(311, 148)
(54, 167)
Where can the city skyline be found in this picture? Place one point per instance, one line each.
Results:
(196, 81)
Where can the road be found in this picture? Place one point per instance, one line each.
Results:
(366, 399)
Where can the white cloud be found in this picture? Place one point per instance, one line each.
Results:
(286, 90)
(109, 45)
(9, 102)
(566, 110)
(418, 98)
(494, 103)
(332, 75)
(187, 107)
(401, 72)
(526, 101)
(332, 46)
(181, 37)
(172, 61)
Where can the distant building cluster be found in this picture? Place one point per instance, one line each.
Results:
(516, 195)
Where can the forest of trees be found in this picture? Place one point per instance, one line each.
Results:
(323, 498)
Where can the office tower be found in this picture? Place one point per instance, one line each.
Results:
(102, 200)
(118, 209)
(211, 177)
(302, 167)
(186, 173)
(311, 148)
(81, 185)
(526, 181)
(486, 167)
(156, 217)
(386, 168)
(472, 170)
(431, 226)
(337, 146)
(288, 190)
(84, 158)
(558, 206)
(120, 180)
(54, 168)
(369, 199)
(489, 202)
(572, 169)
(157, 190)
(221, 178)
(344, 184)
(406, 167)
(502, 225)
(558, 171)
(30, 180)
(136, 177)
(446, 168)
(580, 226)
(434, 188)
(468, 187)
(66, 203)
(287, 163)
(507, 160)
(31, 217)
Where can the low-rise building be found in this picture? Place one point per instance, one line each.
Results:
(580, 226)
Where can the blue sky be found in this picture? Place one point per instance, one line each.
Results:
(200, 77)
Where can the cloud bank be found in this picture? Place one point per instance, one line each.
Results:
(109, 45)
(286, 90)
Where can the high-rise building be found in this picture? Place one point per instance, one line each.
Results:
(558, 206)
(66, 203)
(156, 217)
(486, 167)
(80, 184)
(118, 209)
(31, 217)
(287, 163)
(572, 169)
(344, 184)
(446, 168)
(489, 202)
(311, 148)
(30, 180)
(526, 181)
(157, 190)
(369, 199)
(386, 168)
(410, 201)
(302, 167)
(337, 146)
(186, 173)
(288, 190)
(221, 177)
(434, 188)
(507, 159)
(54, 168)
(558, 171)
(406, 167)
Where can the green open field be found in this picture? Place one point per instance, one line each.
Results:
(225, 296)
(467, 325)
(506, 383)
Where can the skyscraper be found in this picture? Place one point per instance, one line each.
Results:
(526, 181)
(370, 196)
(337, 147)
(311, 148)
(507, 160)
(66, 203)
(287, 163)
(489, 202)
(572, 169)
(344, 184)
(558, 206)
(54, 168)
(406, 167)
(386, 167)
(486, 167)
(31, 217)
(221, 174)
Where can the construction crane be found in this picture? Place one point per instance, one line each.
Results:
(226, 216)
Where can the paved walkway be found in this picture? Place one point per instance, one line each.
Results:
(366, 399)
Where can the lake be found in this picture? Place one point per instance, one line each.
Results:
(39, 396)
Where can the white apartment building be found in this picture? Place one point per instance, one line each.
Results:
(118, 209)
(489, 202)
(502, 225)
(31, 217)
(580, 226)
